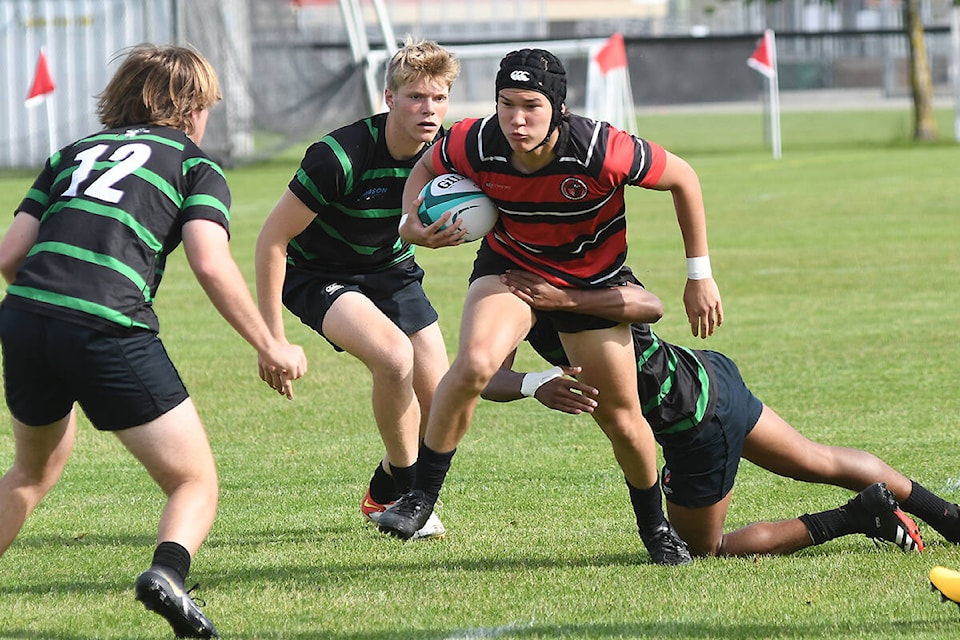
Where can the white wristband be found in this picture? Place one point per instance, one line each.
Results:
(699, 268)
(533, 381)
(403, 219)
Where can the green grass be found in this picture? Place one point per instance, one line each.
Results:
(839, 269)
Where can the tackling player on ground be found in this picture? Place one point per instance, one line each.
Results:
(705, 418)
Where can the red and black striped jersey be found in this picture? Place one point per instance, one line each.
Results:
(565, 222)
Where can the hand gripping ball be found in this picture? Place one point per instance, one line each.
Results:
(461, 195)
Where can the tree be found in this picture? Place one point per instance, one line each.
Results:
(921, 80)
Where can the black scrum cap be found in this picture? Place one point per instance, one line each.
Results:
(535, 70)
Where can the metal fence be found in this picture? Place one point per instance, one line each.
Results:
(80, 38)
(289, 74)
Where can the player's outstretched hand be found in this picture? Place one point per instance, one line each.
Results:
(434, 236)
(704, 309)
(567, 394)
(281, 366)
(535, 291)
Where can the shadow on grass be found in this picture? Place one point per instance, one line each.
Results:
(94, 540)
(420, 558)
(644, 630)
(746, 631)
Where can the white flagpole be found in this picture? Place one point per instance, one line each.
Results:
(50, 124)
(774, 83)
(955, 68)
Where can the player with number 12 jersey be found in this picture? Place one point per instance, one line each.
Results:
(94, 263)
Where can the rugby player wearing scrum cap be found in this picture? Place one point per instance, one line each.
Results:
(559, 180)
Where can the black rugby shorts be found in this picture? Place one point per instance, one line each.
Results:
(397, 292)
(488, 262)
(702, 462)
(118, 381)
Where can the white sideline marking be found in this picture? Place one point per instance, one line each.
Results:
(495, 632)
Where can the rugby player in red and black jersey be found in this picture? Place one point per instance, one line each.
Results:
(559, 182)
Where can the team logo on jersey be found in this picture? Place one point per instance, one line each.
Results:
(573, 189)
(133, 133)
(374, 192)
(520, 76)
(331, 288)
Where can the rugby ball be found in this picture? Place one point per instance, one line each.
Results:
(461, 195)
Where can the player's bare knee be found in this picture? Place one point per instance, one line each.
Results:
(472, 371)
(395, 372)
(621, 433)
(36, 478)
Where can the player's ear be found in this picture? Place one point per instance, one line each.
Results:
(388, 98)
(196, 125)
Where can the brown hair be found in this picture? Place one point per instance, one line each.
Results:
(416, 60)
(158, 85)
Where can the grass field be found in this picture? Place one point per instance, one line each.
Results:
(839, 267)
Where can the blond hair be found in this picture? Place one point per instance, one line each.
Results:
(421, 59)
(158, 85)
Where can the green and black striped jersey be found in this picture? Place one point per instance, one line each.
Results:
(353, 184)
(675, 384)
(111, 207)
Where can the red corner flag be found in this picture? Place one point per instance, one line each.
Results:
(42, 81)
(764, 58)
(613, 54)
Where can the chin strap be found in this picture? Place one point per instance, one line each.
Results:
(553, 127)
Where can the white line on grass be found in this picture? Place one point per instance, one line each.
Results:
(495, 632)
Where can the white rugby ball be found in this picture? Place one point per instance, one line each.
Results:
(461, 195)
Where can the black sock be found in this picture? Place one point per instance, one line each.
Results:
(647, 506)
(825, 525)
(173, 556)
(835, 523)
(382, 488)
(432, 468)
(403, 478)
(934, 510)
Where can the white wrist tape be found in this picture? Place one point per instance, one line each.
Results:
(533, 381)
(403, 219)
(699, 268)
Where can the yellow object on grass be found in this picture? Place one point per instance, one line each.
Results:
(947, 582)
